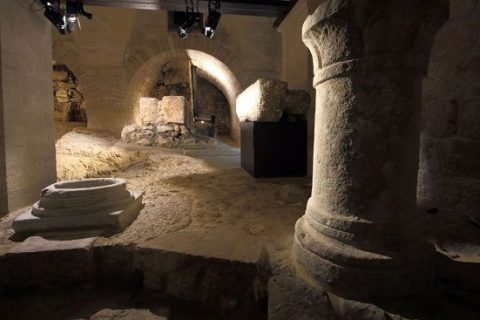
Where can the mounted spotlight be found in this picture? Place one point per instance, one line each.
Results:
(213, 19)
(53, 13)
(186, 27)
(193, 19)
(74, 10)
(65, 18)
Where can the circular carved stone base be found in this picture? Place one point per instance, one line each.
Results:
(356, 274)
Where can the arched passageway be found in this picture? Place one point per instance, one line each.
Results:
(207, 67)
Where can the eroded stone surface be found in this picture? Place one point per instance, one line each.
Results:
(262, 101)
(69, 104)
(289, 297)
(195, 266)
(169, 110)
(358, 237)
(81, 204)
(148, 110)
(173, 109)
(141, 135)
(164, 135)
(296, 102)
(40, 262)
(267, 100)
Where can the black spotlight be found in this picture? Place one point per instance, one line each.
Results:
(192, 19)
(73, 11)
(75, 8)
(65, 18)
(54, 14)
(212, 20)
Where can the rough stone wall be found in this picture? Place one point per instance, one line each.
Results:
(95, 54)
(211, 101)
(173, 80)
(69, 104)
(26, 105)
(450, 164)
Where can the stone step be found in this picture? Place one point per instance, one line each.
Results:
(221, 270)
(38, 262)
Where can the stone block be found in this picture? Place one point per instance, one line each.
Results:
(173, 110)
(289, 297)
(117, 265)
(262, 101)
(148, 109)
(60, 75)
(194, 266)
(38, 262)
(296, 102)
(141, 135)
(61, 93)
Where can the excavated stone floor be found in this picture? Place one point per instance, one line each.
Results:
(200, 203)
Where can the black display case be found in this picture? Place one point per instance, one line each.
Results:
(274, 149)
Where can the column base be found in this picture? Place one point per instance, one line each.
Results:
(358, 274)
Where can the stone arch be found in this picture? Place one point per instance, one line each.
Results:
(208, 67)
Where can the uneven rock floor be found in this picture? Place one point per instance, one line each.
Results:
(191, 187)
(202, 187)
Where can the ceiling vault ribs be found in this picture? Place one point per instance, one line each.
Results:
(267, 8)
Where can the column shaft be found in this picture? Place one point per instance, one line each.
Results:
(359, 235)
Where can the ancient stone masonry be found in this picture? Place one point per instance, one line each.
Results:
(267, 100)
(90, 204)
(173, 80)
(359, 237)
(69, 102)
(165, 122)
(211, 101)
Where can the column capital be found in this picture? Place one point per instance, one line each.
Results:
(348, 35)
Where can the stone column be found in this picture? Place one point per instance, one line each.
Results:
(359, 236)
(27, 136)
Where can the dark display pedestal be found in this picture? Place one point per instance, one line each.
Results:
(274, 149)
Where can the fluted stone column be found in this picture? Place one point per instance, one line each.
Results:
(359, 236)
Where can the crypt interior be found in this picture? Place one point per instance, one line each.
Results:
(257, 159)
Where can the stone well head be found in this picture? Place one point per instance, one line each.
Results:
(81, 206)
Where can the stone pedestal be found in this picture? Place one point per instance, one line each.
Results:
(359, 237)
(81, 206)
